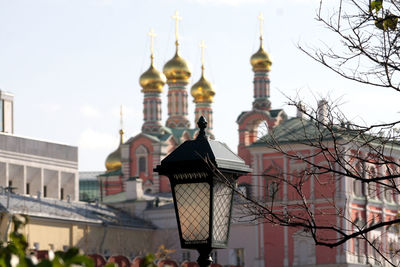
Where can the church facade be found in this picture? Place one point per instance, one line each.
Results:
(138, 156)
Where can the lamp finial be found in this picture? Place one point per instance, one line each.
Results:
(202, 124)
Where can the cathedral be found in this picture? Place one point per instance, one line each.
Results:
(136, 158)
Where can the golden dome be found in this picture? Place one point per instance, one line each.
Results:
(177, 69)
(202, 91)
(113, 161)
(260, 60)
(152, 81)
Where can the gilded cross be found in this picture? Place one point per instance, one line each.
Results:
(121, 117)
(152, 35)
(177, 18)
(261, 18)
(202, 46)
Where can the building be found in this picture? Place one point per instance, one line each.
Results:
(282, 177)
(89, 187)
(139, 155)
(34, 167)
(55, 224)
(130, 183)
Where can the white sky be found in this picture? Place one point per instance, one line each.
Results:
(72, 63)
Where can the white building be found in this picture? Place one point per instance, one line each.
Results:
(33, 167)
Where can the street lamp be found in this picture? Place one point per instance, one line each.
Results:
(202, 174)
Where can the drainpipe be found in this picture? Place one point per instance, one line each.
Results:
(104, 237)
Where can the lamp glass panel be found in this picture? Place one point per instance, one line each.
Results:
(221, 211)
(193, 203)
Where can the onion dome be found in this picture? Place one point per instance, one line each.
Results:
(152, 81)
(260, 60)
(177, 69)
(114, 161)
(202, 91)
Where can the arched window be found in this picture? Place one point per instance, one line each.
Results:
(358, 185)
(272, 191)
(372, 188)
(141, 160)
(262, 130)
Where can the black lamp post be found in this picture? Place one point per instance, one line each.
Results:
(202, 174)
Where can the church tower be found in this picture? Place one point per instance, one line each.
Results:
(152, 82)
(261, 118)
(203, 94)
(178, 73)
(261, 64)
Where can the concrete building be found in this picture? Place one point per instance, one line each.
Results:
(35, 167)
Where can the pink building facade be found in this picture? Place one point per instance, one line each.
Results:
(334, 200)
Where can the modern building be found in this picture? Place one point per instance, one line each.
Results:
(89, 187)
(35, 167)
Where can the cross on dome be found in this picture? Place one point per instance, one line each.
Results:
(261, 18)
(177, 18)
(152, 35)
(202, 47)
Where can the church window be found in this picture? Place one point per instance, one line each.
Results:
(27, 188)
(358, 185)
(372, 187)
(272, 190)
(142, 164)
(141, 159)
(45, 191)
(262, 130)
(376, 245)
(62, 193)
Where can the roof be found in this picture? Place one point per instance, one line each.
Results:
(112, 173)
(304, 131)
(29, 146)
(47, 208)
(273, 113)
(121, 198)
(90, 175)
